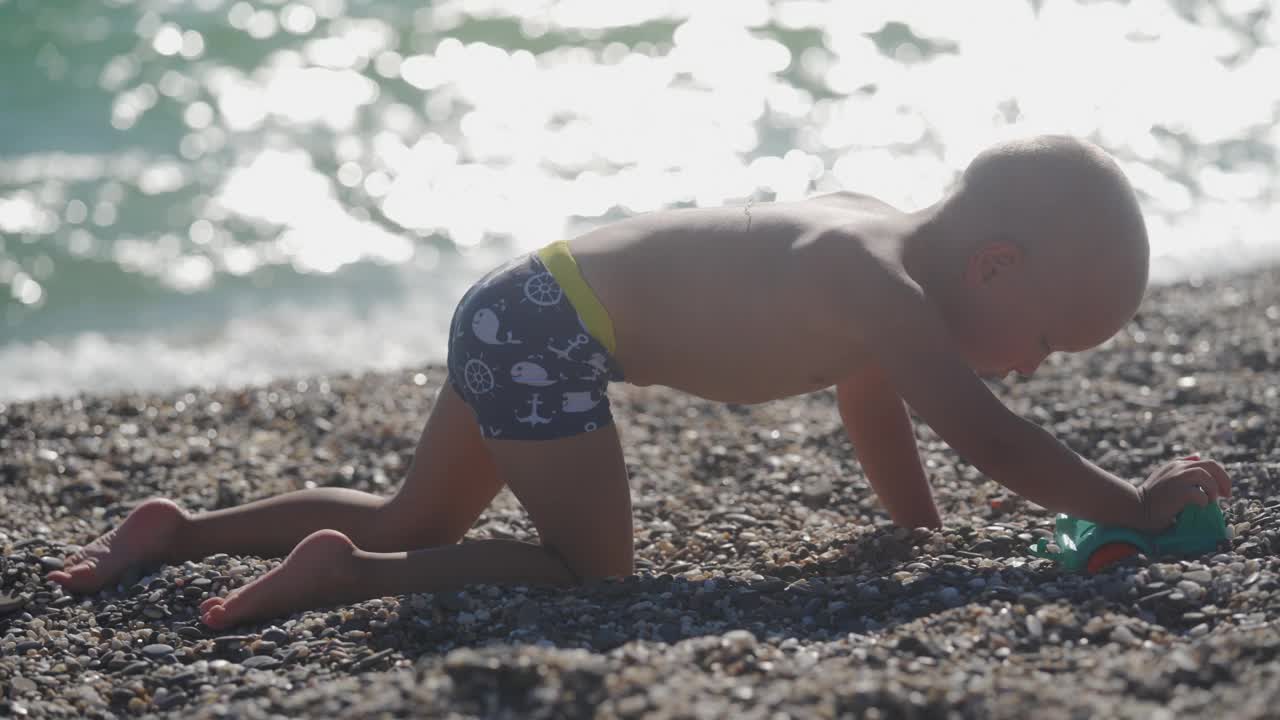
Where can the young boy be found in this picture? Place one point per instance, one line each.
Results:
(1040, 248)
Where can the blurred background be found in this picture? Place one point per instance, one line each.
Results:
(199, 192)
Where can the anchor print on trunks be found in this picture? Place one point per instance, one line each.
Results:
(531, 373)
(574, 344)
(485, 325)
(578, 401)
(533, 418)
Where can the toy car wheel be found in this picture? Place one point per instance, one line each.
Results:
(1108, 554)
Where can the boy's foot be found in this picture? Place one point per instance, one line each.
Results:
(144, 538)
(316, 574)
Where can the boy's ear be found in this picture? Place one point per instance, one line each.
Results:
(992, 261)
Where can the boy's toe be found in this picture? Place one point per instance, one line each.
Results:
(216, 617)
(77, 578)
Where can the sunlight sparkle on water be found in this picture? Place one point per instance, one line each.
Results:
(320, 235)
(582, 132)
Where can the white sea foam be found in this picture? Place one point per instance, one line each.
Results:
(286, 339)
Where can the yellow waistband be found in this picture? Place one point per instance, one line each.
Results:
(564, 269)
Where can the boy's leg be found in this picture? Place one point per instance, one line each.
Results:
(575, 490)
(450, 482)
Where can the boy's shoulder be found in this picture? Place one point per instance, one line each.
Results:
(852, 201)
(858, 264)
(865, 244)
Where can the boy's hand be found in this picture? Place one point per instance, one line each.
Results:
(1177, 484)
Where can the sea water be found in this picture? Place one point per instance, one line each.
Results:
(214, 192)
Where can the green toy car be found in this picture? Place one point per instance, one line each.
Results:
(1085, 545)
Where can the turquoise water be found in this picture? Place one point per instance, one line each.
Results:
(212, 192)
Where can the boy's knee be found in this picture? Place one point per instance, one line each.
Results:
(582, 571)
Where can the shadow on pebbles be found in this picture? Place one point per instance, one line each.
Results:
(769, 582)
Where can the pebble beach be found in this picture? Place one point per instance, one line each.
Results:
(769, 582)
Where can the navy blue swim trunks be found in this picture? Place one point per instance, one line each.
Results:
(521, 355)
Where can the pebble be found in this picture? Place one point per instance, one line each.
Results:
(122, 695)
(606, 638)
(88, 695)
(262, 647)
(1034, 626)
(169, 700)
(1203, 577)
(1123, 635)
(528, 614)
(230, 640)
(11, 604)
(739, 640)
(297, 653)
(371, 660)
(260, 662)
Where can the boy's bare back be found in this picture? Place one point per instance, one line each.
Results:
(741, 304)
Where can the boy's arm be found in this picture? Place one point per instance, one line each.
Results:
(882, 436)
(913, 346)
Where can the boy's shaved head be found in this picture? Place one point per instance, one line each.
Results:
(1067, 206)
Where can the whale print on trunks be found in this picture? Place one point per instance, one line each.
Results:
(531, 373)
(485, 326)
